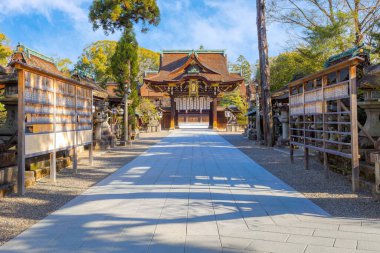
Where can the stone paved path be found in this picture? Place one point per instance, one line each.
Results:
(194, 192)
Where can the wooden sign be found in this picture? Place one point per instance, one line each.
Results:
(54, 114)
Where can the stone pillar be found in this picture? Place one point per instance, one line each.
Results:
(284, 119)
(215, 113)
(172, 113)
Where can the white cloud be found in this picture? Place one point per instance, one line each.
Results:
(45, 7)
(185, 24)
(65, 41)
(215, 24)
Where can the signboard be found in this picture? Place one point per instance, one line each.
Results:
(55, 113)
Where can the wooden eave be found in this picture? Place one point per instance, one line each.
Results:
(20, 65)
(350, 62)
(188, 77)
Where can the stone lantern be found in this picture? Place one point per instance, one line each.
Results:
(370, 84)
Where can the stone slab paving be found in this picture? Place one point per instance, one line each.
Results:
(195, 192)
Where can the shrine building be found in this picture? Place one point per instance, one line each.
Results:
(192, 81)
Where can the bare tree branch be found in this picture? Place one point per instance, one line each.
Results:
(372, 11)
(303, 13)
(323, 10)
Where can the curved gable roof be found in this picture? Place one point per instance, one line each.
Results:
(214, 63)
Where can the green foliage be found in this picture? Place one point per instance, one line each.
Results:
(64, 65)
(286, 66)
(96, 60)
(147, 110)
(235, 99)
(242, 65)
(124, 66)
(113, 15)
(124, 62)
(375, 43)
(3, 114)
(328, 27)
(5, 50)
(148, 60)
(323, 41)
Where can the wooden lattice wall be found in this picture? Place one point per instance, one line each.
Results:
(323, 114)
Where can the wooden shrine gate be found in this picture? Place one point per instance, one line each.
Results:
(193, 111)
(323, 114)
(194, 80)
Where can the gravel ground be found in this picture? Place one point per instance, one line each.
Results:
(334, 195)
(17, 213)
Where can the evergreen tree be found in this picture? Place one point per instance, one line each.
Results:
(113, 15)
(124, 66)
(242, 65)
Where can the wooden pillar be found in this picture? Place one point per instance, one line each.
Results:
(75, 149)
(172, 113)
(90, 154)
(326, 165)
(21, 135)
(210, 115)
(175, 115)
(75, 160)
(53, 166)
(215, 113)
(306, 158)
(354, 130)
(53, 155)
(291, 153)
(325, 128)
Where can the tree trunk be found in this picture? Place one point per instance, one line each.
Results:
(265, 73)
(358, 28)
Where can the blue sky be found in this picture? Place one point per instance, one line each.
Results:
(60, 28)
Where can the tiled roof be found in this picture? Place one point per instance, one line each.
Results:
(213, 64)
(36, 62)
(146, 92)
(35, 59)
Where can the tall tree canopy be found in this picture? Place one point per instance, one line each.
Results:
(5, 49)
(358, 16)
(124, 66)
(376, 40)
(113, 15)
(96, 60)
(289, 65)
(124, 61)
(63, 65)
(243, 65)
(329, 27)
(148, 60)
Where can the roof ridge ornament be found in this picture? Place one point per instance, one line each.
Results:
(20, 48)
(198, 51)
